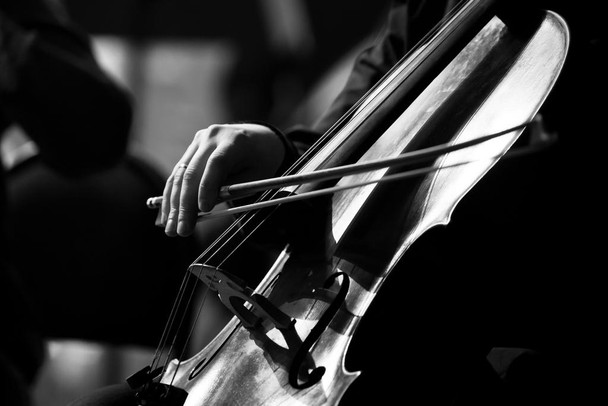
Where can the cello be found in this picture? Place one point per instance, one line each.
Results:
(471, 87)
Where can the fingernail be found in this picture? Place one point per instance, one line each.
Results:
(169, 229)
(182, 228)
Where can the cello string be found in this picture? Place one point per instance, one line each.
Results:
(228, 234)
(171, 320)
(197, 281)
(169, 324)
(181, 322)
(192, 328)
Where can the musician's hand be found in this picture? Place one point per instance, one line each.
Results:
(218, 155)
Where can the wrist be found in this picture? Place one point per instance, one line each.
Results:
(290, 152)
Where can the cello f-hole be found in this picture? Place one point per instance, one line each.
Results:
(316, 374)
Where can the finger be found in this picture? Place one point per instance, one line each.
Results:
(174, 199)
(166, 206)
(222, 163)
(188, 202)
(166, 203)
(213, 178)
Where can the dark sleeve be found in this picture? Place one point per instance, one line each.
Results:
(407, 22)
(53, 88)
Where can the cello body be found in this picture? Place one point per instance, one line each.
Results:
(289, 337)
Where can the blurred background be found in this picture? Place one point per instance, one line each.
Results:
(189, 64)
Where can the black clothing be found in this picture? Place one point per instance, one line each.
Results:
(52, 87)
